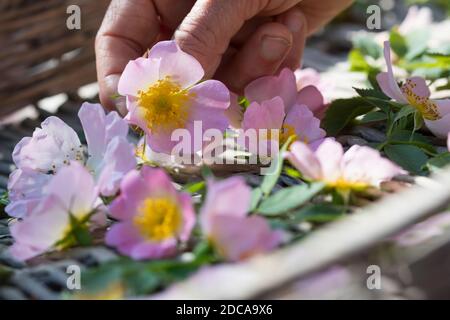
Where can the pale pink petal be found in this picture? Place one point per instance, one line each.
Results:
(227, 197)
(41, 230)
(306, 126)
(207, 111)
(51, 147)
(237, 238)
(306, 77)
(123, 235)
(386, 80)
(304, 160)
(266, 88)
(138, 75)
(264, 118)
(137, 186)
(330, 154)
(211, 94)
(150, 250)
(267, 115)
(74, 201)
(181, 67)
(164, 141)
(25, 189)
(234, 112)
(133, 190)
(92, 117)
(416, 87)
(99, 130)
(316, 144)
(365, 165)
(443, 106)
(115, 125)
(312, 98)
(117, 161)
(441, 127)
(135, 115)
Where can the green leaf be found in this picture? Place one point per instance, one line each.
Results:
(4, 199)
(318, 213)
(291, 172)
(438, 162)
(194, 187)
(82, 236)
(371, 92)
(270, 180)
(256, 197)
(342, 111)
(409, 157)
(404, 112)
(289, 198)
(418, 121)
(398, 43)
(142, 282)
(373, 116)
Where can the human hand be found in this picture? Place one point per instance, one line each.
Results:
(236, 41)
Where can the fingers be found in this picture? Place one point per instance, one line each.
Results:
(207, 30)
(128, 29)
(261, 55)
(295, 21)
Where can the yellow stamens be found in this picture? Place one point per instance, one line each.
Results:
(165, 105)
(341, 184)
(426, 107)
(158, 218)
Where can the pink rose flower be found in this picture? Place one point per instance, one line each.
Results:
(153, 216)
(358, 168)
(163, 94)
(276, 104)
(415, 92)
(71, 191)
(225, 222)
(110, 156)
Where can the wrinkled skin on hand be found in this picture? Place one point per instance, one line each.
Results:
(235, 41)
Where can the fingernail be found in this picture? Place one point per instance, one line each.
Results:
(111, 83)
(274, 48)
(121, 106)
(109, 93)
(294, 23)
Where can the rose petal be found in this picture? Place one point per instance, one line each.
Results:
(176, 64)
(138, 75)
(266, 88)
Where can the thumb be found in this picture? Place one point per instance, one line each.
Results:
(206, 31)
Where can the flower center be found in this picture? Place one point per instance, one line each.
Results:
(426, 107)
(165, 105)
(158, 219)
(342, 184)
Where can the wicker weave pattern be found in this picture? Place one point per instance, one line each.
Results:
(39, 55)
